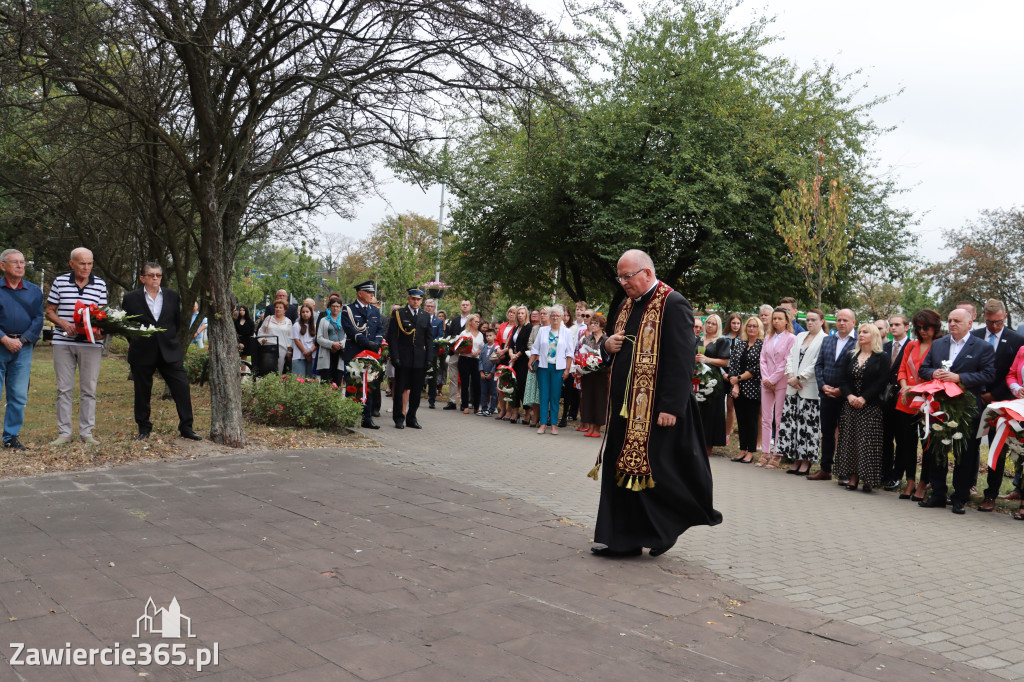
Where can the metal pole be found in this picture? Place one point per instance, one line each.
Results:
(440, 226)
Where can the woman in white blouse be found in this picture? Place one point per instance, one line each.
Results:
(551, 358)
(277, 325)
(799, 436)
(469, 366)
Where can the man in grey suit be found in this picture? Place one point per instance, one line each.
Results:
(972, 363)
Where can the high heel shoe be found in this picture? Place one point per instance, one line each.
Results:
(514, 420)
(763, 460)
(906, 495)
(773, 462)
(852, 485)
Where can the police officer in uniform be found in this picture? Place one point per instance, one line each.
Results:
(412, 344)
(362, 324)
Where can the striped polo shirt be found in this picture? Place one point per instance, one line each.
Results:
(64, 293)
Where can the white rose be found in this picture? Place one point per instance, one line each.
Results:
(936, 427)
(953, 425)
(946, 441)
(957, 435)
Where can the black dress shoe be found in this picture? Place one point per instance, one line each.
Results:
(737, 459)
(958, 508)
(658, 551)
(431, 406)
(143, 435)
(892, 485)
(399, 425)
(191, 435)
(368, 424)
(933, 502)
(616, 553)
(413, 424)
(449, 406)
(561, 424)
(376, 413)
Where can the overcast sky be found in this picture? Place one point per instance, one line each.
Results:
(958, 147)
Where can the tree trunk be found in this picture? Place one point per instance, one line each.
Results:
(226, 425)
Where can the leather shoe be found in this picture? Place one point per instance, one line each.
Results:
(958, 508)
(658, 551)
(449, 406)
(933, 502)
(143, 435)
(986, 505)
(561, 424)
(892, 485)
(1014, 495)
(610, 553)
(431, 406)
(368, 424)
(375, 413)
(399, 425)
(822, 475)
(191, 435)
(413, 424)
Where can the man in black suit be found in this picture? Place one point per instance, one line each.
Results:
(291, 311)
(362, 324)
(1005, 343)
(160, 307)
(829, 370)
(455, 327)
(436, 332)
(971, 362)
(895, 428)
(411, 343)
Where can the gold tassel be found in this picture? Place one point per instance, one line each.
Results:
(593, 473)
(650, 482)
(636, 486)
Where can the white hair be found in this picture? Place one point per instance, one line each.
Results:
(561, 309)
(80, 251)
(9, 252)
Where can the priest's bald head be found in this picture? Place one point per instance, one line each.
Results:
(636, 273)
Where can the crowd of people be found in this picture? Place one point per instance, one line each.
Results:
(841, 399)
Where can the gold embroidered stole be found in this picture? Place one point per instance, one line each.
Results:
(633, 466)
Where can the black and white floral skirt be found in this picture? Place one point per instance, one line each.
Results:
(800, 431)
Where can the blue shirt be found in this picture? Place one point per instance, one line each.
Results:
(21, 310)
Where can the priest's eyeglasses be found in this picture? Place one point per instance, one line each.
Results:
(622, 280)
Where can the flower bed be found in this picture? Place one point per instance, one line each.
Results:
(298, 401)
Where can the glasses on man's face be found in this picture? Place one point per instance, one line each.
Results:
(14, 262)
(624, 278)
(156, 275)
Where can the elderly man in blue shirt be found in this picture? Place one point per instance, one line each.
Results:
(21, 323)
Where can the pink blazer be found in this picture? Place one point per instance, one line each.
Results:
(774, 354)
(1016, 375)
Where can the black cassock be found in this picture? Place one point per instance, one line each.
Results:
(681, 496)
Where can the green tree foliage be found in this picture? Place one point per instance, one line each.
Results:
(815, 228)
(989, 262)
(682, 151)
(401, 251)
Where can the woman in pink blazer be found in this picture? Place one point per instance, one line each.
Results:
(777, 343)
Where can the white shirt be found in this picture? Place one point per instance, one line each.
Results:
(955, 347)
(156, 305)
(565, 347)
(989, 336)
(841, 344)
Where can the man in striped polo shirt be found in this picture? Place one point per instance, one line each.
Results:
(72, 350)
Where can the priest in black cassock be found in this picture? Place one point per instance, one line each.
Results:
(655, 473)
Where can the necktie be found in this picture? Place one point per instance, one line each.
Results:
(895, 352)
(992, 339)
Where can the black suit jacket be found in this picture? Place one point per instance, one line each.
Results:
(162, 346)
(454, 325)
(894, 368)
(976, 364)
(413, 350)
(1009, 343)
(876, 375)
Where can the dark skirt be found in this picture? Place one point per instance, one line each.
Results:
(522, 368)
(594, 398)
(712, 416)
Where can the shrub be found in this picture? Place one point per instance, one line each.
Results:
(196, 360)
(289, 400)
(118, 345)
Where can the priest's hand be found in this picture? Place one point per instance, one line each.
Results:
(613, 344)
(666, 419)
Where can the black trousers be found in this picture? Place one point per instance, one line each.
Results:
(904, 434)
(995, 476)
(748, 422)
(177, 381)
(830, 410)
(411, 379)
(570, 399)
(965, 473)
(469, 377)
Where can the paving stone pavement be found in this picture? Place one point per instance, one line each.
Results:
(923, 577)
(339, 565)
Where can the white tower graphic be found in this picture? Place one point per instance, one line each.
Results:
(170, 620)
